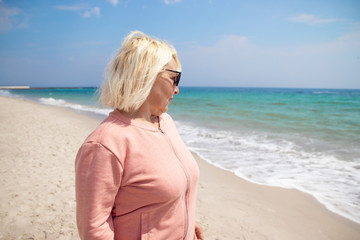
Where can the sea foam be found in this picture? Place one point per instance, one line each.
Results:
(267, 160)
(79, 107)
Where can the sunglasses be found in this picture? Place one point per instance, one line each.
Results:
(178, 75)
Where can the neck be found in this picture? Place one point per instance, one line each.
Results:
(142, 115)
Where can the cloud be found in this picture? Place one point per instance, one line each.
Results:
(311, 19)
(236, 61)
(95, 11)
(114, 2)
(77, 7)
(11, 17)
(167, 2)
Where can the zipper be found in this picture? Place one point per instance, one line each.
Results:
(187, 178)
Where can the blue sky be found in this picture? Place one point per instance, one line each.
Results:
(243, 43)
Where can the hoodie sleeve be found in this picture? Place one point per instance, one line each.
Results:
(98, 174)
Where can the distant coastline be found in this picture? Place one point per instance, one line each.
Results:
(14, 87)
(28, 87)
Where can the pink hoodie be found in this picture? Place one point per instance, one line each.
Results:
(134, 181)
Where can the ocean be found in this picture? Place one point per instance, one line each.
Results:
(307, 139)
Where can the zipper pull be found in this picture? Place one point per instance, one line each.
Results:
(162, 131)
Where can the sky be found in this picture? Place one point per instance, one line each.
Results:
(231, 43)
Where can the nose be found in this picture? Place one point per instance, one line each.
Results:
(176, 90)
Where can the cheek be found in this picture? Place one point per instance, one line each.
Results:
(164, 92)
(158, 97)
(164, 98)
(161, 94)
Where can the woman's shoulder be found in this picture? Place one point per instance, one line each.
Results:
(166, 117)
(168, 122)
(108, 129)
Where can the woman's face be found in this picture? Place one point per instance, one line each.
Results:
(163, 90)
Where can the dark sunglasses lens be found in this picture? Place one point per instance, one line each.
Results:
(178, 75)
(178, 79)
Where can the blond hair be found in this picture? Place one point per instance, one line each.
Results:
(131, 73)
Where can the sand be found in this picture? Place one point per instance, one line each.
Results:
(38, 145)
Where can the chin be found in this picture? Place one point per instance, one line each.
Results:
(165, 110)
(161, 111)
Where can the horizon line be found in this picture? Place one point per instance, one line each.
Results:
(24, 87)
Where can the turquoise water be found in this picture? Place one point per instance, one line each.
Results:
(329, 119)
(308, 139)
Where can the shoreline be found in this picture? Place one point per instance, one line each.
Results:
(265, 212)
(231, 208)
(334, 211)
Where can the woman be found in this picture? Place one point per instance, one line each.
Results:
(135, 178)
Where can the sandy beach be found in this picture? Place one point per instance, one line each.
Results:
(38, 144)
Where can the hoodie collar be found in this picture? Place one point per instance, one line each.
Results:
(136, 122)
